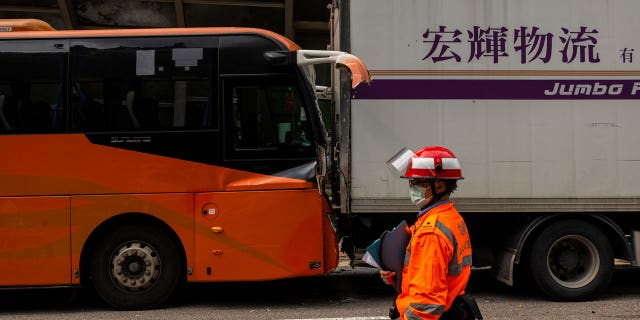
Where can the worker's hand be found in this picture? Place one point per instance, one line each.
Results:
(387, 276)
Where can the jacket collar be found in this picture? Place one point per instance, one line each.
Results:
(425, 210)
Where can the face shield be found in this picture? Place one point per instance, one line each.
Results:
(398, 163)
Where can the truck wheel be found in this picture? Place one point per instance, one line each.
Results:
(135, 267)
(571, 260)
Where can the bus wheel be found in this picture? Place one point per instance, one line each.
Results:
(572, 260)
(135, 267)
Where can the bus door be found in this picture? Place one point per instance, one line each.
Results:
(266, 223)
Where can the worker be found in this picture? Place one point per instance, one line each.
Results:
(437, 260)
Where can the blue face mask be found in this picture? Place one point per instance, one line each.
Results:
(417, 196)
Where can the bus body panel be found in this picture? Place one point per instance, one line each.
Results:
(330, 238)
(40, 164)
(34, 241)
(255, 236)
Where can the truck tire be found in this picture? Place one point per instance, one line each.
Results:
(571, 260)
(136, 267)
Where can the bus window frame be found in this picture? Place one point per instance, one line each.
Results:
(229, 82)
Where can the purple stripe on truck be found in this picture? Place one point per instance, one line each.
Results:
(481, 89)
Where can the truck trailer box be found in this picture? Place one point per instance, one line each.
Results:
(538, 99)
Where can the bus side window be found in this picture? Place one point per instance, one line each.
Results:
(32, 86)
(267, 118)
(252, 119)
(145, 84)
(291, 120)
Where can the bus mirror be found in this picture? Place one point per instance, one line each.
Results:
(359, 71)
(277, 58)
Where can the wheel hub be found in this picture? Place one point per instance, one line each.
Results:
(568, 259)
(135, 266)
(573, 261)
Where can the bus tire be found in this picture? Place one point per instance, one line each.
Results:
(571, 260)
(135, 266)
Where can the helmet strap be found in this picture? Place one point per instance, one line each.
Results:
(435, 196)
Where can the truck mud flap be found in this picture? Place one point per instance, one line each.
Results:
(503, 269)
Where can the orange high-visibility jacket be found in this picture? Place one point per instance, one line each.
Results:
(437, 264)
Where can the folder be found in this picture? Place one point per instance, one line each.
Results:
(387, 252)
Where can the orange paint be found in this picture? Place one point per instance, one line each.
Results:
(16, 25)
(265, 235)
(41, 165)
(34, 241)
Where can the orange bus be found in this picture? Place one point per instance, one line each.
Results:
(136, 160)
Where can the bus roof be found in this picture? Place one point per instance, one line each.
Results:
(15, 25)
(37, 29)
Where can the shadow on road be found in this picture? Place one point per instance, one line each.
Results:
(344, 285)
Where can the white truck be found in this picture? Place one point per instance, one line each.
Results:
(539, 99)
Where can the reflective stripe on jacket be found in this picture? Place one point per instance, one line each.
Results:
(437, 264)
